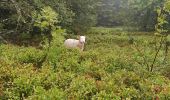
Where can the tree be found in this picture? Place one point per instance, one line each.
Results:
(85, 14)
(133, 13)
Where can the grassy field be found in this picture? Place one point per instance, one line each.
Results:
(115, 65)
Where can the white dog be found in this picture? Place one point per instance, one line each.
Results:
(73, 43)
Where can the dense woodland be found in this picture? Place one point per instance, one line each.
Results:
(126, 54)
(77, 16)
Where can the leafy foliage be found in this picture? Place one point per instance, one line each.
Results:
(100, 72)
(116, 64)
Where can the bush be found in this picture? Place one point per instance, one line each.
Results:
(103, 95)
(81, 88)
(52, 94)
(22, 54)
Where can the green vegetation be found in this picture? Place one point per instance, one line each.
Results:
(110, 68)
(122, 60)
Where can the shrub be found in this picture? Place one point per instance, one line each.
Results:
(82, 88)
(103, 95)
(52, 94)
(22, 54)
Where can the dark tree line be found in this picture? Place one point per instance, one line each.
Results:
(77, 16)
(74, 15)
(134, 13)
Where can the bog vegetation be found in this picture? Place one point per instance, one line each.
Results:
(126, 54)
